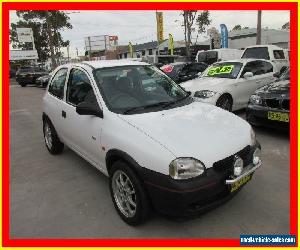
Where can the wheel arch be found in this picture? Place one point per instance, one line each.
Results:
(114, 155)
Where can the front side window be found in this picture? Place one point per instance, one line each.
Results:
(258, 52)
(137, 88)
(285, 75)
(79, 88)
(256, 67)
(57, 84)
(224, 70)
(268, 67)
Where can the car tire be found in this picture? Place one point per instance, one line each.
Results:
(128, 194)
(23, 84)
(225, 102)
(53, 144)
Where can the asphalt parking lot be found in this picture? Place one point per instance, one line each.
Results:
(64, 197)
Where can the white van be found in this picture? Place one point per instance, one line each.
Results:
(275, 54)
(216, 55)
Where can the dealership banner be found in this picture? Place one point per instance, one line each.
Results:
(224, 36)
(24, 35)
(16, 55)
(130, 49)
(160, 26)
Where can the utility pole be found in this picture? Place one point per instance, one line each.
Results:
(68, 50)
(49, 33)
(258, 30)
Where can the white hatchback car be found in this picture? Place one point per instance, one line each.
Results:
(158, 146)
(229, 84)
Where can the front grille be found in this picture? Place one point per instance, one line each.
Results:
(226, 165)
(273, 103)
(285, 104)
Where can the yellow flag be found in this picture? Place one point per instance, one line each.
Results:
(160, 26)
(130, 49)
(171, 44)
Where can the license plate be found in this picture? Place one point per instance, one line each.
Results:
(278, 116)
(235, 186)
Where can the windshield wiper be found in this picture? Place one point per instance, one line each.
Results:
(178, 100)
(127, 111)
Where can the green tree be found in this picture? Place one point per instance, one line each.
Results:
(189, 18)
(237, 27)
(286, 26)
(46, 26)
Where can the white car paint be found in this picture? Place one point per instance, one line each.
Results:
(278, 63)
(240, 88)
(152, 139)
(222, 54)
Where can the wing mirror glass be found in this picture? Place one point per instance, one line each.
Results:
(86, 108)
(248, 75)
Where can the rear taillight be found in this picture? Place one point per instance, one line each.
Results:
(167, 68)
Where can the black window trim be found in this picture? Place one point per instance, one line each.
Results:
(67, 77)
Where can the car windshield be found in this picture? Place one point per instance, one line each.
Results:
(138, 88)
(257, 52)
(224, 70)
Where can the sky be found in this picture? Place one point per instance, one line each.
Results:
(140, 26)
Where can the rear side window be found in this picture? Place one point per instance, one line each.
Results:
(79, 88)
(212, 57)
(278, 54)
(202, 57)
(57, 84)
(259, 53)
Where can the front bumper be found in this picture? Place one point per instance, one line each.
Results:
(258, 115)
(192, 196)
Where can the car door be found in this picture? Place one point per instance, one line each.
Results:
(247, 86)
(82, 132)
(54, 99)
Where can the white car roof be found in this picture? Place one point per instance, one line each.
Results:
(111, 63)
(265, 45)
(244, 60)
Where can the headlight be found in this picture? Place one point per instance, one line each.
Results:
(255, 99)
(185, 168)
(204, 94)
(256, 156)
(253, 137)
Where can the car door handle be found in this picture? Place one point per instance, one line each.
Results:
(259, 81)
(63, 114)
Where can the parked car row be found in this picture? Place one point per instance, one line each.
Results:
(270, 105)
(184, 71)
(246, 83)
(29, 75)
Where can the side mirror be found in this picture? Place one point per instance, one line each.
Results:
(248, 75)
(86, 108)
(277, 74)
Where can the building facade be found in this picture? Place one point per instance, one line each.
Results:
(240, 39)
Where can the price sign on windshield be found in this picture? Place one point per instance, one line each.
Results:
(220, 70)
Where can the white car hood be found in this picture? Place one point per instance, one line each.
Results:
(206, 83)
(197, 130)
